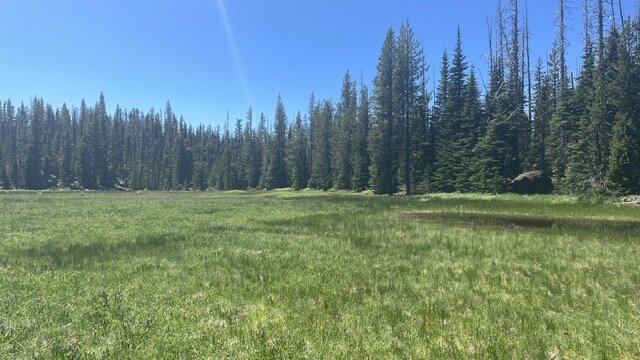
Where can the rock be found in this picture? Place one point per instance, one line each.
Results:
(630, 200)
(532, 182)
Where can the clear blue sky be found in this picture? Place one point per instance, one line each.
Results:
(210, 56)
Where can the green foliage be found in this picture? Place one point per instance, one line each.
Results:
(362, 161)
(381, 146)
(277, 176)
(450, 141)
(624, 168)
(561, 139)
(488, 172)
(298, 155)
(580, 132)
(344, 134)
(321, 173)
(410, 102)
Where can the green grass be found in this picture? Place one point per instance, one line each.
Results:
(316, 275)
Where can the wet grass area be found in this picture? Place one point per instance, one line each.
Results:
(525, 222)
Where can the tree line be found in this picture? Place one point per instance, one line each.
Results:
(583, 129)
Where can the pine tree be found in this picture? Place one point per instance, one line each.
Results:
(408, 84)
(66, 147)
(500, 153)
(624, 160)
(50, 175)
(12, 154)
(224, 179)
(581, 163)
(361, 156)
(100, 136)
(84, 158)
(472, 128)
(277, 176)
(116, 156)
(542, 118)
(186, 155)
(23, 133)
(263, 141)
(563, 124)
(382, 150)
(4, 141)
(345, 124)
(624, 168)
(449, 162)
(33, 174)
(311, 118)
(561, 138)
(489, 170)
(251, 153)
(521, 130)
(298, 157)
(433, 130)
(170, 149)
(321, 173)
(198, 178)
(419, 136)
(239, 166)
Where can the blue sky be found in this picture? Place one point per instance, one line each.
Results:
(212, 56)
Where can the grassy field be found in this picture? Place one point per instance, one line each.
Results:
(316, 275)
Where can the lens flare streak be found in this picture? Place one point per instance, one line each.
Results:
(234, 50)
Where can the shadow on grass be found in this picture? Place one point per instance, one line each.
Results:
(76, 256)
(352, 228)
(512, 221)
(354, 200)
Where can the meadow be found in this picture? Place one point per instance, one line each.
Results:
(316, 275)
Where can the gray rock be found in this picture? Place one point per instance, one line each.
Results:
(532, 182)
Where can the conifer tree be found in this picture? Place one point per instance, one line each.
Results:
(585, 105)
(277, 176)
(298, 158)
(448, 151)
(624, 168)
(408, 81)
(488, 174)
(563, 124)
(11, 146)
(251, 153)
(33, 171)
(263, 141)
(311, 120)
(116, 156)
(419, 136)
(99, 136)
(65, 147)
(361, 155)
(239, 166)
(4, 140)
(345, 124)
(542, 117)
(383, 164)
(433, 130)
(472, 128)
(321, 173)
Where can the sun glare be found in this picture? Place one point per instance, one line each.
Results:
(242, 78)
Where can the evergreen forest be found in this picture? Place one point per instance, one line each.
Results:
(397, 134)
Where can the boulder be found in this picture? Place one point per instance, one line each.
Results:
(532, 182)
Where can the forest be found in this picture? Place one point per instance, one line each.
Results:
(394, 135)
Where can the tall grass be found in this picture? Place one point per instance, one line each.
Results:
(316, 275)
